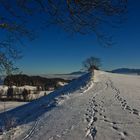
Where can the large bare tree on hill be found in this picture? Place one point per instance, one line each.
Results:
(92, 63)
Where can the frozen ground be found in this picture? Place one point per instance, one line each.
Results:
(108, 109)
(10, 105)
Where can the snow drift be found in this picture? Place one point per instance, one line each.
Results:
(108, 110)
(31, 111)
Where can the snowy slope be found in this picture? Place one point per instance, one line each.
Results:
(28, 115)
(108, 109)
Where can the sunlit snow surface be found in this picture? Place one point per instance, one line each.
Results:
(103, 107)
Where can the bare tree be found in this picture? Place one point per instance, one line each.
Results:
(85, 16)
(92, 63)
(8, 55)
(75, 16)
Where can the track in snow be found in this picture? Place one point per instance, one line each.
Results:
(97, 108)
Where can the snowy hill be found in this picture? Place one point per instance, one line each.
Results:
(39, 107)
(103, 107)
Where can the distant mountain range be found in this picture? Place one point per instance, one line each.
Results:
(77, 73)
(126, 71)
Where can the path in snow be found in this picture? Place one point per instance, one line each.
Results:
(108, 110)
(109, 114)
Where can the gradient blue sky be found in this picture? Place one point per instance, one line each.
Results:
(56, 52)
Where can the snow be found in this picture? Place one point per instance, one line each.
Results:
(27, 87)
(103, 107)
(4, 87)
(10, 105)
(62, 83)
(34, 94)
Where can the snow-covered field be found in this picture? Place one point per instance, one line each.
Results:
(10, 105)
(103, 107)
(34, 94)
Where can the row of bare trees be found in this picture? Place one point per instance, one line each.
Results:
(18, 94)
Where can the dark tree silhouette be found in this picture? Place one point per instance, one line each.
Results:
(75, 16)
(10, 93)
(25, 94)
(8, 55)
(21, 80)
(92, 63)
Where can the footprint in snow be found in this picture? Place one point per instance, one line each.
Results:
(136, 112)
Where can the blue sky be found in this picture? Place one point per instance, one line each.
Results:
(57, 52)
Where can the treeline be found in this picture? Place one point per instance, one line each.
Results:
(44, 83)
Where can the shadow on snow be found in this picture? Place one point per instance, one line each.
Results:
(32, 111)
